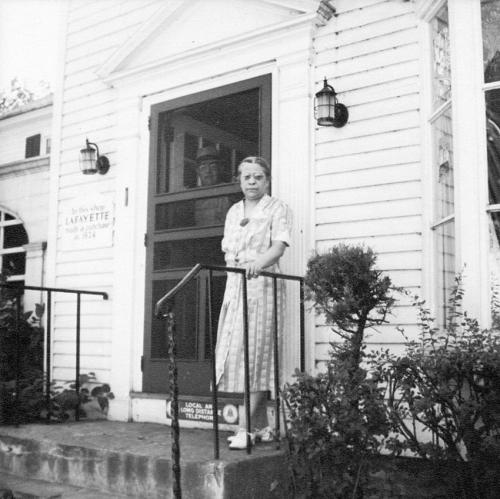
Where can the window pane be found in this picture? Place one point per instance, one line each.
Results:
(494, 266)
(14, 236)
(493, 144)
(441, 84)
(445, 265)
(443, 165)
(14, 264)
(229, 125)
(187, 252)
(185, 309)
(200, 212)
(490, 17)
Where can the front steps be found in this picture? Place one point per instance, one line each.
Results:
(133, 459)
(25, 488)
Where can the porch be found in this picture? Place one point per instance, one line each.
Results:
(134, 460)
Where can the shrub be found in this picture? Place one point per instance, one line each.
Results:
(21, 348)
(21, 335)
(447, 384)
(337, 419)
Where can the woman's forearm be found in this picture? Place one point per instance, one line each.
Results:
(264, 260)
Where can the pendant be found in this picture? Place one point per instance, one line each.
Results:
(244, 221)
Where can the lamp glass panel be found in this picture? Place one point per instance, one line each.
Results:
(88, 160)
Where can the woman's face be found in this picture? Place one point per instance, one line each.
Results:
(253, 181)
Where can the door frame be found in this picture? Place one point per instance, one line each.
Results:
(153, 368)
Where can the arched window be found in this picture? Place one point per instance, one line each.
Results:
(13, 256)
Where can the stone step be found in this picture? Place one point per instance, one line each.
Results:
(134, 459)
(13, 487)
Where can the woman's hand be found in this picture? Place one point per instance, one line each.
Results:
(272, 255)
(253, 269)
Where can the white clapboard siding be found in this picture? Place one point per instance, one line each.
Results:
(365, 178)
(355, 212)
(360, 16)
(368, 174)
(89, 362)
(95, 31)
(369, 159)
(372, 47)
(326, 39)
(92, 335)
(68, 347)
(370, 194)
(381, 244)
(353, 145)
(376, 227)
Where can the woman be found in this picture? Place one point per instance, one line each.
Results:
(256, 234)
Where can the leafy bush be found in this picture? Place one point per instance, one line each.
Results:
(443, 398)
(337, 419)
(21, 347)
(23, 336)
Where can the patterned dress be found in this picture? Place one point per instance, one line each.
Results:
(270, 221)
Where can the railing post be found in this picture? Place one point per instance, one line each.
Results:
(174, 404)
(302, 327)
(246, 356)
(77, 382)
(48, 354)
(276, 362)
(215, 408)
(18, 357)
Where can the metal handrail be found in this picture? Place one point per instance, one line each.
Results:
(161, 314)
(48, 379)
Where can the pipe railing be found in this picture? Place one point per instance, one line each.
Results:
(164, 310)
(48, 339)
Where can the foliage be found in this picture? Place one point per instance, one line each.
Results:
(21, 350)
(446, 387)
(21, 334)
(337, 419)
(17, 96)
(92, 400)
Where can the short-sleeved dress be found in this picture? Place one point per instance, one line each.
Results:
(270, 221)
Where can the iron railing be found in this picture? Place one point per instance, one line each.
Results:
(47, 346)
(164, 310)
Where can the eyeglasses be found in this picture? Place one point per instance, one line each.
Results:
(258, 177)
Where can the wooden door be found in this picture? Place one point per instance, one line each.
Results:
(186, 218)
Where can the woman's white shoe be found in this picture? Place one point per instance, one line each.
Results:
(239, 441)
(265, 435)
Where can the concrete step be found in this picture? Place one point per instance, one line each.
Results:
(134, 459)
(13, 487)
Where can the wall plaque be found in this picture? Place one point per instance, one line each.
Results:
(87, 222)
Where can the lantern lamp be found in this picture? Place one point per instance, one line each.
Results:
(328, 111)
(91, 161)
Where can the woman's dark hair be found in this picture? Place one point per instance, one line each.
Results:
(257, 160)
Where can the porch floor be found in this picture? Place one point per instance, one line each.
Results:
(135, 459)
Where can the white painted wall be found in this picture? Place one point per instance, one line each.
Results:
(361, 183)
(368, 186)
(24, 184)
(16, 127)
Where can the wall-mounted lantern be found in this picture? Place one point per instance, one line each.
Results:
(91, 161)
(328, 111)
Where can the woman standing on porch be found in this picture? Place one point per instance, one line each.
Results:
(256, 234)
